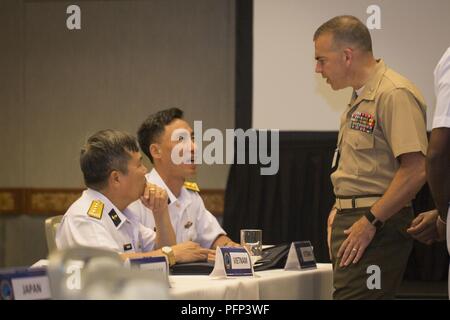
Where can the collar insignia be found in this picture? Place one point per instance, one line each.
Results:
(114, 217)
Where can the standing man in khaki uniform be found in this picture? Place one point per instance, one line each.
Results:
(379, 163)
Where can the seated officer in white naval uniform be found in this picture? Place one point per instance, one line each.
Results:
(115, 176)
(158, 136)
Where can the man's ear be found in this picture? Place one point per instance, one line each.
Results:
(114, 178)
(155, 151)
(348, 56)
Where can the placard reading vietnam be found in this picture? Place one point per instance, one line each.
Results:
(232, 262)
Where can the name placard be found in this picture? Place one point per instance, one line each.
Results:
(24, 284)
(301, 256)
(232, 262)
(149, 263)
(158, 265)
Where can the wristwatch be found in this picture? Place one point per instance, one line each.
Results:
(168, 251)
(378, 224)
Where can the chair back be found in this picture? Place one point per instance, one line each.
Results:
(51, 225)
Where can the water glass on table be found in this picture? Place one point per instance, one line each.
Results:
(251, 239)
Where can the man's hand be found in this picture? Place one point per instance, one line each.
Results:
(231, 243)
(155, 198)
(360, 234)
(221, 241)
(424, 227)
(224, 241)
(189, 252)
(184, 252)
(329, 224)
(211, 255)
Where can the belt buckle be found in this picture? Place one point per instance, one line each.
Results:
(339, 203)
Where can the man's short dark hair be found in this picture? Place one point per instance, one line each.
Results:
(153, 127)
(347, 30)
(104, 152)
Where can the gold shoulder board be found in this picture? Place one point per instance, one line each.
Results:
(96, 209)
(191, 186)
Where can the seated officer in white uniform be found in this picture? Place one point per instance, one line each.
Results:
(158, 136)
(115, 177)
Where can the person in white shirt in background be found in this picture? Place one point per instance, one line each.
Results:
(115, 177)
(158, 136)
(433, 225)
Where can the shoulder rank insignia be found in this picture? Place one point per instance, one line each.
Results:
(114, 217)
(191, 186)
(96, 209)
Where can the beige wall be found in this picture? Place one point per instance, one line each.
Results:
(11, 94)
(287, 93)
(129, 59)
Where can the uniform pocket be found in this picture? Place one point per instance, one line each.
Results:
(363, 154)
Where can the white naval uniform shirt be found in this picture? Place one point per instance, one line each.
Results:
(124, 234)
(190, 219)
(442, 113)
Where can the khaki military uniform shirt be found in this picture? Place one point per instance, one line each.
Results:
(387, 120)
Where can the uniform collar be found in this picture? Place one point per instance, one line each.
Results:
(185, 196)
(360, 91)
(371, 86)
(108, 206)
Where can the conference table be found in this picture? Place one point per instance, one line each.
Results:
(276, 284)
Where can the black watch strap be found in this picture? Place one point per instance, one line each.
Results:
(373, 220)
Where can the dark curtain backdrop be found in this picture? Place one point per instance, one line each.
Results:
(291, 205)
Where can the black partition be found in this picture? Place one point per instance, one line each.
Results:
(294, 203)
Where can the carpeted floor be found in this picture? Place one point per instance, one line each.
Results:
(423, 290)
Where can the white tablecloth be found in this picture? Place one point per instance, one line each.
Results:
(267, 285)
(314, 284)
